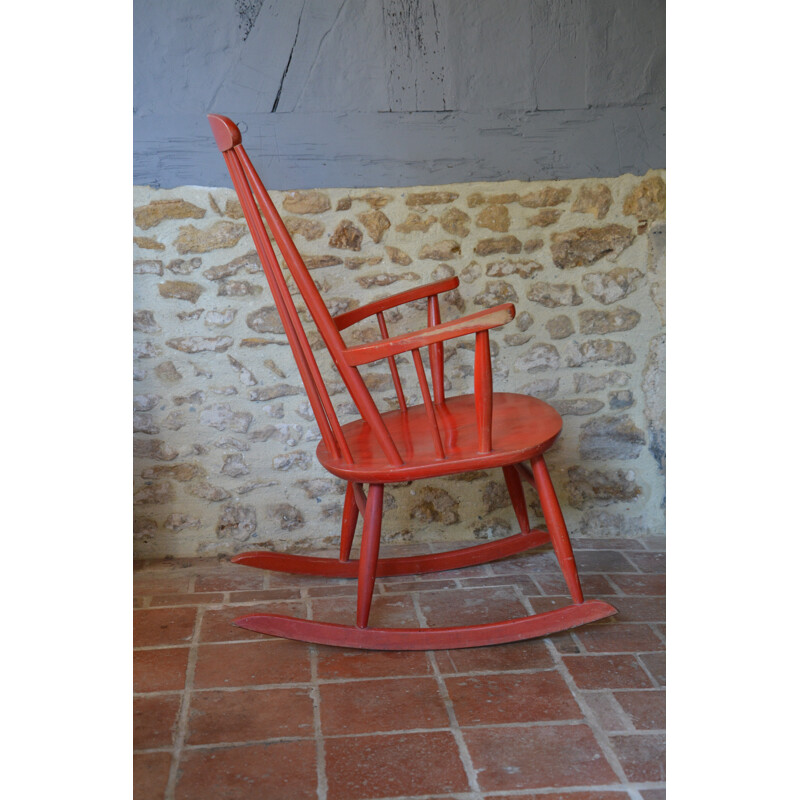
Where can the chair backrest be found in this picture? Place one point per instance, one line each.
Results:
(252, 196)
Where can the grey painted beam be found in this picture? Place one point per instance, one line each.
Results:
(477, 89)
(296, 151)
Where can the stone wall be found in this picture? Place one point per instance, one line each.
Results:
(224, 439)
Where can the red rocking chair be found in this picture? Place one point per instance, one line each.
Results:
(441, 436)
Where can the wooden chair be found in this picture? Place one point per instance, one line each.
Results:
(440, 436)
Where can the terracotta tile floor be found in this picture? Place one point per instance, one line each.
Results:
(225, 714)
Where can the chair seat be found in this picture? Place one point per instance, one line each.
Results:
(522, 428)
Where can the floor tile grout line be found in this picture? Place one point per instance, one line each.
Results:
(588, 713)
(547, 791)
(586, 652)
(636, 568)
(219, 604)
(656, 684)
(458, 736)
(311, 737)
(194, 748)
(578, 643)
(408, 731)
(319, 740)
(661, 636)
(572, 723)
(428, 796)
(617, 707)
(316, 699)
(615, 586)
(469, 674)
(591, 718)
(183, 713)
(261, 687)
(337, 681)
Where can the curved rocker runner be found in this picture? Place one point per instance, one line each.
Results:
(440, 436)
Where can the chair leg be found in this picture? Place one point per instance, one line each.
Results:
(517, 494)
(349, 521)
(368, 558)
(556, 528)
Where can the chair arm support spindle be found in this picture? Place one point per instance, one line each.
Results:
(426, 399)
(436, 351)
(398, 386)
(483, 391)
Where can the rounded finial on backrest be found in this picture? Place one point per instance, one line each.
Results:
(226, 134)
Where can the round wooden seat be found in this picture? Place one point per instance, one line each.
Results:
(522, 428)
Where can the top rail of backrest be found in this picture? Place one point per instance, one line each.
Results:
(226, 134)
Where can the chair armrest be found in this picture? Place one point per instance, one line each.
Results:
(480, 321)
(349, 318)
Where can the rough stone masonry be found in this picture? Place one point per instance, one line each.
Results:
(224, 438)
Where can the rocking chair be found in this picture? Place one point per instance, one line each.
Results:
(441, 436)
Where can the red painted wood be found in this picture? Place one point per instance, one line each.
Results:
(517, 497)
(349, 522)
(512, 630)
(349, 318)
(433, 425)
(440, 436)
(226, 134)
(405, 565)
(436, 351)
(298, 341)
(472, 323)
(483, 391)
(368, 558)
(511, 441)
(361, 498)
(557, 529)
(398, 386)
(524, 471)
(313, 300)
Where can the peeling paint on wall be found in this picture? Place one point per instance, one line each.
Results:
(248, 12)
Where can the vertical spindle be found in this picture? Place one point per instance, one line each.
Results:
(483, 391)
